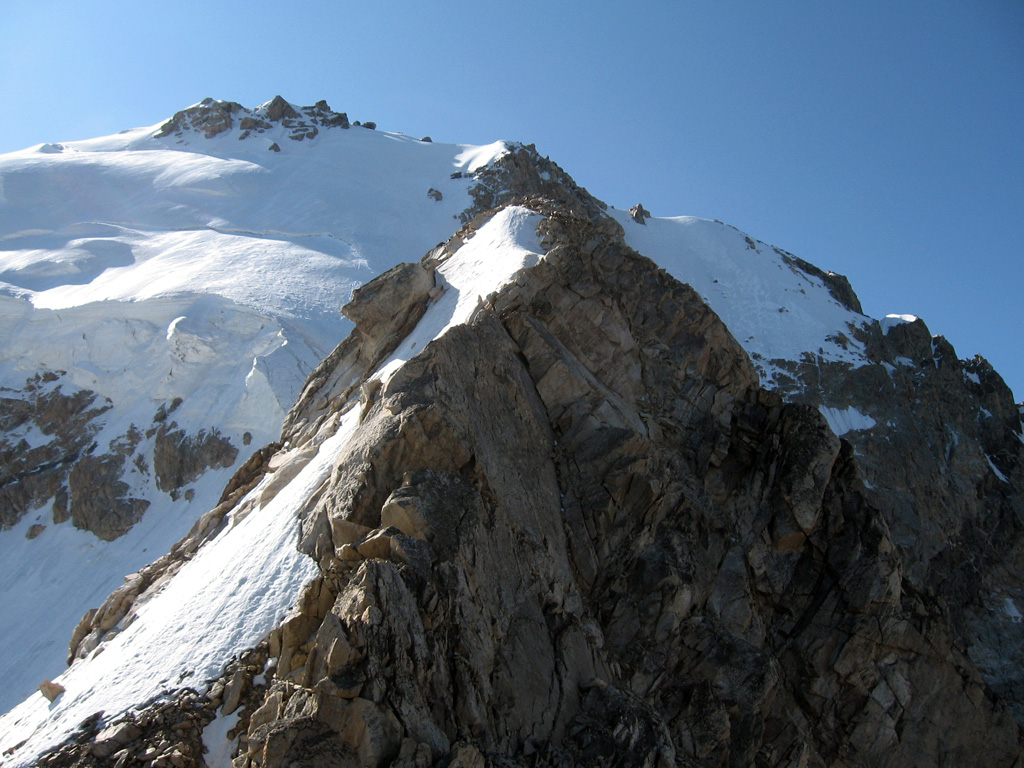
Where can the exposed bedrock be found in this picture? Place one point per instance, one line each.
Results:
(574, 531)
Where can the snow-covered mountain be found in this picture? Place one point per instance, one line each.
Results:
(161, 288)
(169, 292)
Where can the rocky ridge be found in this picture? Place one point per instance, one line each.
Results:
(212, 117)
(575, 531)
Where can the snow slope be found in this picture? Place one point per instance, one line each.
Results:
(149, 269)
(243, 582)
(777, 312)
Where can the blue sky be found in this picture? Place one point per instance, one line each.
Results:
(881, 140)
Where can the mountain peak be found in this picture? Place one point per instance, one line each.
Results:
(212, 117)
(579, 485)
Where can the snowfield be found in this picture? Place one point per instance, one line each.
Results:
(774, 310)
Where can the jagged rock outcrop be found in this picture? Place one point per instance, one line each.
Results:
(640, 214)
(521, 174)
(61, 426)
(838, 285)
(64, 465)
(49, 455)
(575, 531)
(180, 458)
(212, 117)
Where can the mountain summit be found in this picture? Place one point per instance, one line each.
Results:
(561, 485)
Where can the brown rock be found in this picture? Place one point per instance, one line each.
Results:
(639, 214)
(50, 689)
(277, 108)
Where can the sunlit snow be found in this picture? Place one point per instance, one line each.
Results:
(773, 309)
(891, 321)
(499, 249)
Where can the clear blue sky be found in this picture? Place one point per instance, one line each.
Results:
(881, 140)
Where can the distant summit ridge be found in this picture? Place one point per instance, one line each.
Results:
(212, 117)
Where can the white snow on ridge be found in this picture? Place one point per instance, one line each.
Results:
(844, 420)
(473, 159)
(1010, 609)
(499, 249)
(774, 310)
(995, 470)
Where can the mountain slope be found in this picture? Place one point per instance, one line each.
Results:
(173, 292)
(550, 509)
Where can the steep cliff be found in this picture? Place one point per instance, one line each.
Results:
(555, 503)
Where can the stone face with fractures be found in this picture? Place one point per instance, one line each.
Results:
(584, 533)
(574, 531)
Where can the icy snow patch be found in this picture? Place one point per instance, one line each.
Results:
(995, 469)
(843, 420)
(891, 321)
(215, 739)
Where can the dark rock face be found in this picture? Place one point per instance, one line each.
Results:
(575, 531)
(82, 480)
(100, 499)
(943, 464)
(837, 284)
(179, 458)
